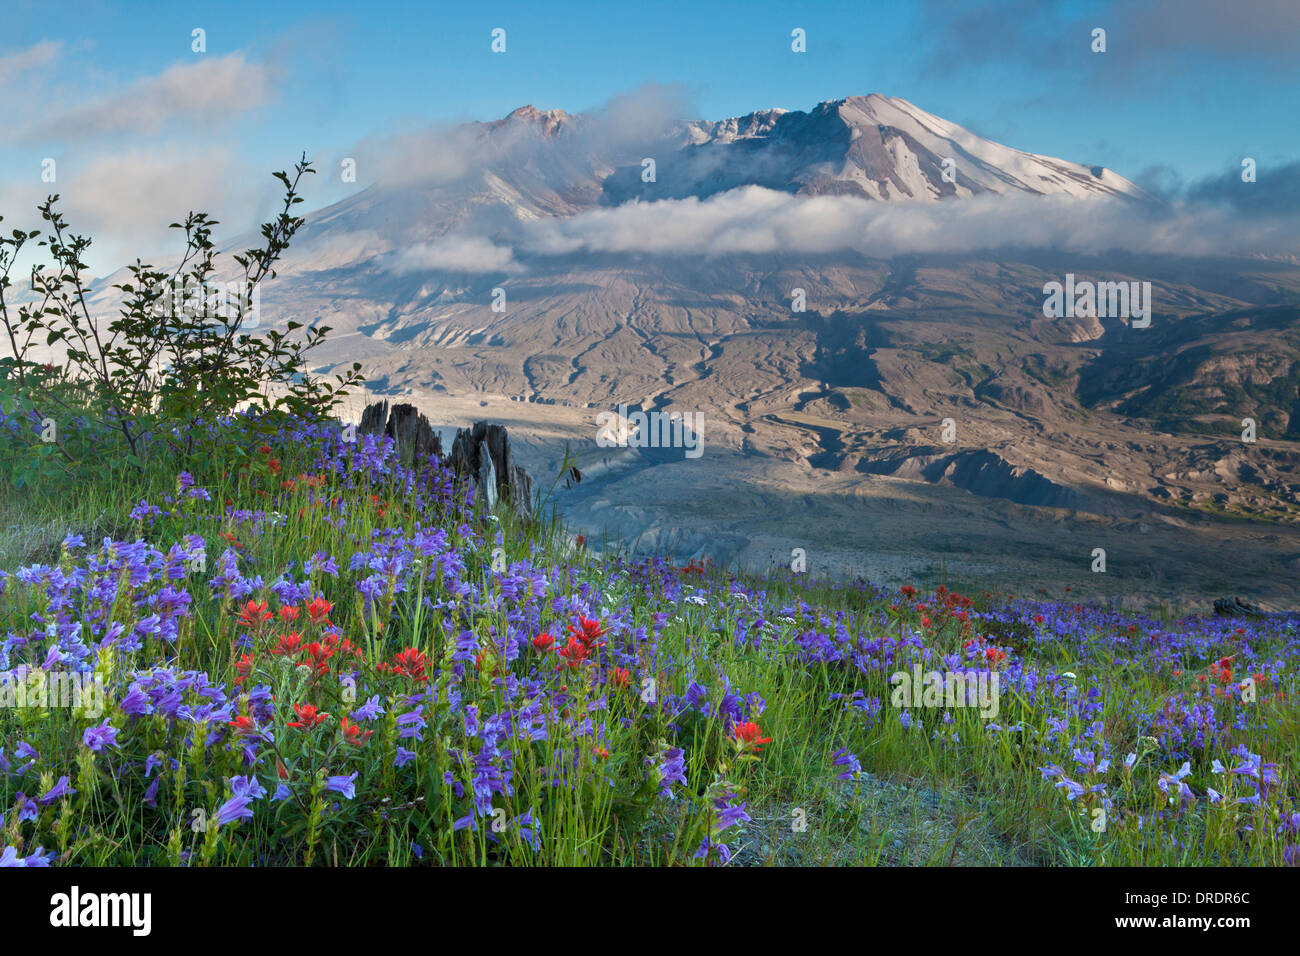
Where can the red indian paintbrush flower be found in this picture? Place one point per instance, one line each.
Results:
(308, 716)
(319, 610)
(747, 736)
(288, 644)
(544, 641)
(589, 632)
(244, 667)
(574, 653)
(319, 655)
(411, 662)
(620, 677)
(244, 724)
(253, 614)
(352, 733)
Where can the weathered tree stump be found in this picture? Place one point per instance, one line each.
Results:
(480, 453)
(1236, 607)
(411, 431)
(484, 452)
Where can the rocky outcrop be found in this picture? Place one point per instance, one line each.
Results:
(1022, 398)
(480, 453)
(980, 472)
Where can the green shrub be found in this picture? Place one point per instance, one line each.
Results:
(180, 354)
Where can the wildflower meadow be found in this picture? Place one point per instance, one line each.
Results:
(320, 654)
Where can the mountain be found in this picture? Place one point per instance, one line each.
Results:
(827, 424)
(873, 147)
(538, 164)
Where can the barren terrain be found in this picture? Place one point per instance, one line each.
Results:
(753, 509)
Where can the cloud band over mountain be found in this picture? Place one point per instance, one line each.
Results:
(757, 220)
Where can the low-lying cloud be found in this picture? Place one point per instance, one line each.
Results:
(453, 254)
(755, 220)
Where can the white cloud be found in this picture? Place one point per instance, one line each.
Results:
(757, 220)
(625, 128)
(125, 201)
(199, 94)
(453, 254)
(337, 250)
(33, 58)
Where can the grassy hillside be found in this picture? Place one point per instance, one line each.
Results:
(313, 653)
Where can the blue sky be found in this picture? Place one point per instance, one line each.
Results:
(1183, 92)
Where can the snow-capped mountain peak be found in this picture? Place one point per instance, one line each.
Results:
(876, 147)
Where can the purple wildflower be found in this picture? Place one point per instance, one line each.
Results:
(60, 789)
(97, 738)
(344, 784)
